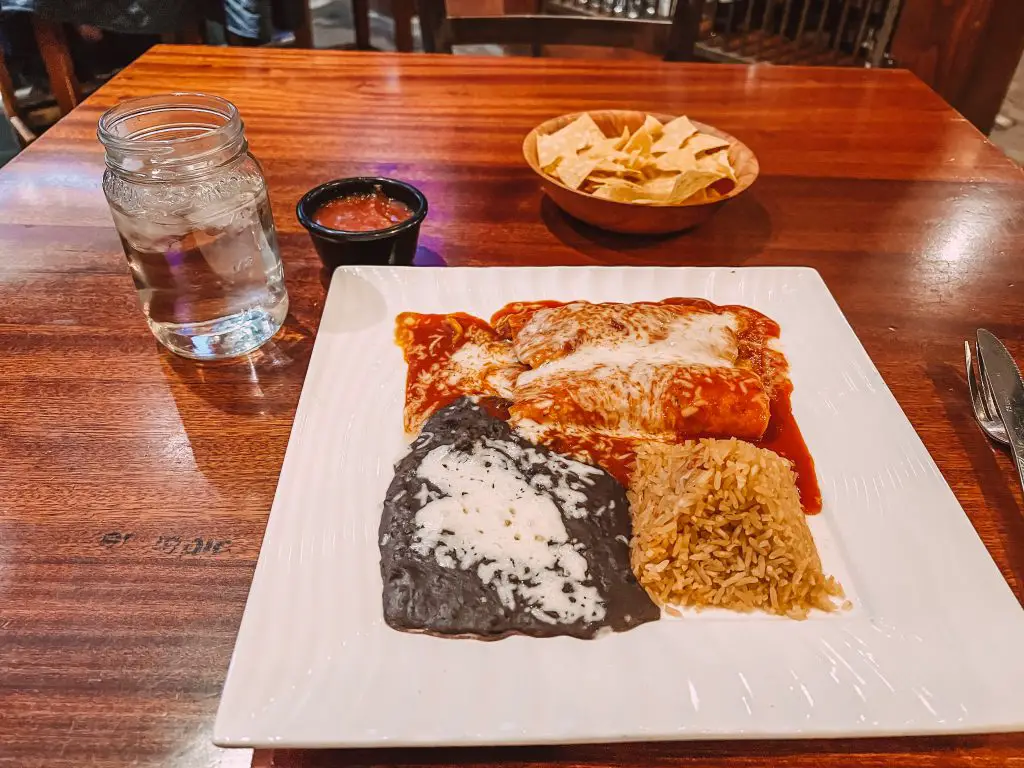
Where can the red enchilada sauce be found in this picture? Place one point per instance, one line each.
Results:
(362, 212)
(614, 454)
(428, 343)
(783, 436)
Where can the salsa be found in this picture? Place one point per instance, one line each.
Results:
(362, 212)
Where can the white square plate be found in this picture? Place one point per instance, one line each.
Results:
(933, 644)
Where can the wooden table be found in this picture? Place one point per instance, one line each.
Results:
(135, 486)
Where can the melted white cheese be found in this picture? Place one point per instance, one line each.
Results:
(494, 364)
(472, 357)
(700, 338)
(509, 528)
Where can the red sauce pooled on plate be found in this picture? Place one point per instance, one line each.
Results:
(362, 212)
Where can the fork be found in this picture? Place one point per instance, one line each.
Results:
(984, 404)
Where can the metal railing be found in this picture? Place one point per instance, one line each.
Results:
(850, 33)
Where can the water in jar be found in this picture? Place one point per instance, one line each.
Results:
(207, 271)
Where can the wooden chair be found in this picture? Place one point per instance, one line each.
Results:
(53, 47)
(10, 105)
(673, 38)
(402, 12)
(297, 16)
(57, 58)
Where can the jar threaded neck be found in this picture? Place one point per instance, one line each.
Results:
(171, 135)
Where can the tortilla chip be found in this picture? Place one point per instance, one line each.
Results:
(653, 126)
(549, 151)
(678, 160)
(720, 188)
(639, 142)
(630, 168)
(641, 161)
(606, 169)
(579, 134)
(688, 184)
(620, 191)
(704, 142)
(618, 162)
(660, 188)
(611, 160)
(605, 147)
(674, 134)
(717, 162)
(676, 189)
(573, 170)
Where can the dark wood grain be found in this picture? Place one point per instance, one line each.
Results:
(116, 458)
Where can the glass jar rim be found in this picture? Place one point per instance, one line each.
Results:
(106, 129)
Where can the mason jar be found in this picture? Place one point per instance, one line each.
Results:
(190, 205)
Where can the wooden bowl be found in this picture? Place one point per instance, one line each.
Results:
(637, 218)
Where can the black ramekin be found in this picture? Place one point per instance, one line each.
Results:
(394, 245)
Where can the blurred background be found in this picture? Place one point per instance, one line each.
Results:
(53, 53)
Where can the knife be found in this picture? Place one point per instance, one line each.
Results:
(1007, 389)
